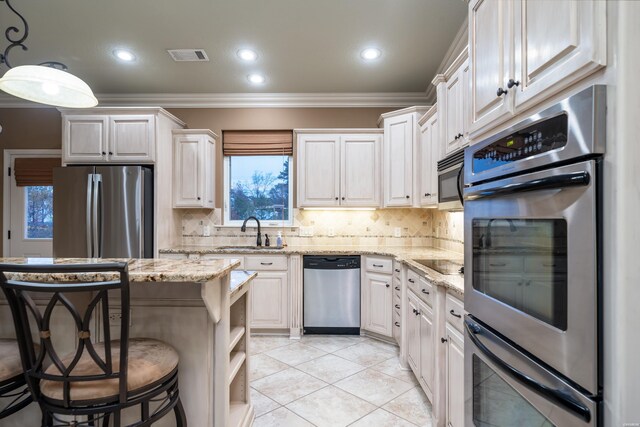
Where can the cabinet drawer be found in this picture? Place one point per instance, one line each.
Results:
(265, 262)
(413, 281)
(455, 311)
(425, 291)
(379, 265)
(543, 264)
(500, 264)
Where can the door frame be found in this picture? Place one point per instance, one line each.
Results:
(9, 155)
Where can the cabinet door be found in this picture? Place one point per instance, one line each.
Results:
(455, 378)
(269, 296)
(209, 167)
(187, 173)
(84, 138)
(318, 170)
(398, 167)
(490, 59)
(426, 164)
(465, 71)
(360, 170)
(131, 138)
(378, 301)
(427, 348)
(552, 57)
(453, 112)
(436, 156)
(413, 334)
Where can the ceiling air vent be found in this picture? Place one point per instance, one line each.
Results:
(188, 55)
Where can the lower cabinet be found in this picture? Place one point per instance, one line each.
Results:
(377, 309)
(269, 300)
(455, 377)
(420, 345)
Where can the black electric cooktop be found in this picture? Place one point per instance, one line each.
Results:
(443, 266)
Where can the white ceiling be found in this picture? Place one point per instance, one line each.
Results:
(304, 46)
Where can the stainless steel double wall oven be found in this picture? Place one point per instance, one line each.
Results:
(533, 268)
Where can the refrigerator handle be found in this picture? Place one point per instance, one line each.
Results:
(89, 217)
(97, 182)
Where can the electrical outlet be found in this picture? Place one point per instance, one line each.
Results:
(305, 232)
(115, 317)
(331, 232)
(397, 232)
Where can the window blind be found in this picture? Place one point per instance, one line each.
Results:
(31, 171)
(257, 142)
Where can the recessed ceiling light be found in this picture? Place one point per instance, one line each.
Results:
(247, 55)
(124, 55)
(256, 78)
(370, 54)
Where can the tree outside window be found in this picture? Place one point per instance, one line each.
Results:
(39, 212)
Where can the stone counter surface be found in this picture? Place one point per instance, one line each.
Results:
(140, 270)
(405, 254)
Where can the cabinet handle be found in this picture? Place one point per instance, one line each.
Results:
(453, 313)
(407, 197)
(511, 83)
(397, 288)
(424, 291)
(427, 194)
(411, 281)
(398, 306)
(378, 265)
(443, 340)
(266, 263)
(414, 310)
(104, 154)
(501, 92)
(111, 153)
(460, 135)
(502, 264)
(387, 285)
(396, 270)
(397, 324)
(417, 312)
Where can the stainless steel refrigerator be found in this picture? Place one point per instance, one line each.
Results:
(103, 212)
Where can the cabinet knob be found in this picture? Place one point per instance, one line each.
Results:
(397, 324)
(456, 137)
(407, 197)
(111, 153)
(443, 340)
(398, 306)
(397, 270)
(427, 194)
(104, 154)
(343, 198)
(417, 312)
(424, 291)
(198, 198)
(411, 281)
(397, 288)
(414, 310)
(460, 135)
(501, 92)
(511, 83)
(387, 285)
(336, 198)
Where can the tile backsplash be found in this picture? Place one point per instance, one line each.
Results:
(386, 227)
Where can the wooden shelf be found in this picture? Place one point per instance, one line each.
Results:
(239, 413)
(237, 358)
(237, 332)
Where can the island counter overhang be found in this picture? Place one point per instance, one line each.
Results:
(188, 304)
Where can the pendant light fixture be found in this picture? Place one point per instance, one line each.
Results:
(46, 83)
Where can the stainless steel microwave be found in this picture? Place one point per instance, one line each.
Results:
(450, 181)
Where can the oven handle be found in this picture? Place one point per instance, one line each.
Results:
(556, 396)
(459, 184)
(574, 179)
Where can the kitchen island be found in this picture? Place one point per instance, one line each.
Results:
(200, 307)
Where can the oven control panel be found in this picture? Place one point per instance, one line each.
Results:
(538, 138)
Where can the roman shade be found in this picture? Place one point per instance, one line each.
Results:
(257, 142)
(31, 171)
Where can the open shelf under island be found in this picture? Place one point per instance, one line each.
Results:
(200, 307)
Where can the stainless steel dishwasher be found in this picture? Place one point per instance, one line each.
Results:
(331, 295)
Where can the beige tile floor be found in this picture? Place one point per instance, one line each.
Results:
(333, 381)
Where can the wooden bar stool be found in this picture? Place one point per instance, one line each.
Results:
(95, 383)
(12, 382)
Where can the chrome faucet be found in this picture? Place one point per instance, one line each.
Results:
(244, 228)
(487, 242)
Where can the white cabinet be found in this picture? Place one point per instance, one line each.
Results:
(454, 377)
(118, 138)
(413, 334)
(377, 308)
(269, 296)
(454, 107)
(427, 348)
(193, 168)
(430, 150)
(401, 145)
(517, 60)
(339, 169)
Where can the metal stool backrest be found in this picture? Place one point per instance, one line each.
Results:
(97, 278)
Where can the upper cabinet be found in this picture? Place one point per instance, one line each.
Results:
(194, 168)
(339, 168)
(103, 135)
(401, 160)
(517, 59)
(430, 153)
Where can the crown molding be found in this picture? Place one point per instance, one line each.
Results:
(246, 100)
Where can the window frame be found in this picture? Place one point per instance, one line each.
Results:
(226, 221)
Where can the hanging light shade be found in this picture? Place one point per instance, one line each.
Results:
(48, 85)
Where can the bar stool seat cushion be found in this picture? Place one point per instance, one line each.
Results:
(10, 364)
(149, 361)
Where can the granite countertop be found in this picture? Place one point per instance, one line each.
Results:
(455, 282)
(140, 270)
